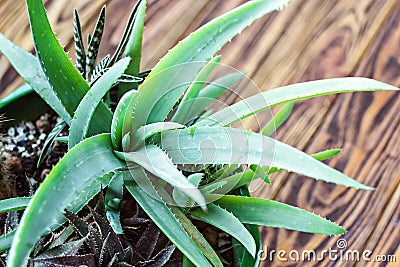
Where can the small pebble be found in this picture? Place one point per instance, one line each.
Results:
(20, 131)
(26, 154)
(14, 165)
(11, 132)
(21, 138)
(9, 147)
(30, 126)
(43, 125)
(42, 136)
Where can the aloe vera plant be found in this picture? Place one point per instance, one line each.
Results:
(156, 151)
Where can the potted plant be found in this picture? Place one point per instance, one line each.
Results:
(144, 133)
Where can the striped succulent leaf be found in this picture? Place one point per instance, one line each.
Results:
(100, 69)
(94, 43)
(79, 47)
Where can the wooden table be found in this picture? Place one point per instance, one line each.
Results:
(310, 39)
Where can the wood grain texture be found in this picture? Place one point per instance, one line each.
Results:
(310, 39)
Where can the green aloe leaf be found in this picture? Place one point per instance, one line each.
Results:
(119, 127)
(293, 92)
(64, 188)
(17, 203)
(48, 144)
(199, 47)
(113, 200)
(29, 68)
(163, 217)
(134, 44)
(65, 80)
(17, 93)
(211, 92)
(280, 117)
(242, 258)
(22, 104)
(197, 237)
(271, 213)
(227, 222)
(86, 109)
(194, 90)
(326, 154)
(323, 155)
(148, 130)
(94, 44)
(219, 145)
(6, 240)
(154, 160)
(234, 181)
(123, 43)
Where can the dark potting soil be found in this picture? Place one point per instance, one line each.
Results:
(20, 150)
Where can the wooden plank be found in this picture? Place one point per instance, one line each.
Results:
(363, 124)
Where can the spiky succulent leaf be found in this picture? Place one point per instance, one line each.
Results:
(242, 258)
(147, 242)
(271, 213)
(14, 95)
(87, 107)
(120, 122)
(227, 222)
(163, 256)
(219, 145)
(94, 44)
(192, 92)
(134, 45)
(64, 187)
(113, 200)
(17, 203)
(79, 47)
(65, 80)
(62, 237)
(127, 32)
(279, 118)
(232, 182)
(326, 154)
(183, 200)
(114, 245)
(162, 216)
(196, 236)
(148, 130)
(293, 92)
(154, 160)
(323, 155)
(211, 92)
(6, 240)
(78, 224)
(70, 248)
(100, 69)
(29, 68)
(151, 103)
(68, 261)
(48, 143)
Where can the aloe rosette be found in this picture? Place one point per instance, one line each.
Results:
(141, 146)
